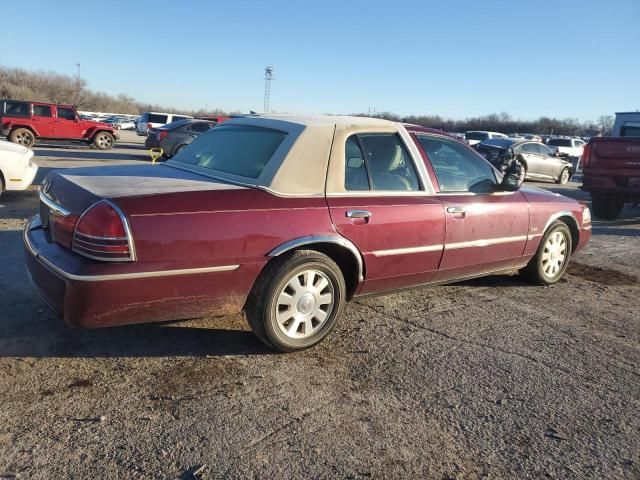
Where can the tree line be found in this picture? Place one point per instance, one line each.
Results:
(504, 123)
(41, 86)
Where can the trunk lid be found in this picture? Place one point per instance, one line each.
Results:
(72, 191)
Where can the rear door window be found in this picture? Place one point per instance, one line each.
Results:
(179, 117)
(42, 110)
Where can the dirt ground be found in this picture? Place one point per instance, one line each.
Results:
(490, 378)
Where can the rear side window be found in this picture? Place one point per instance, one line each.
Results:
(234, 149)
(157, 118)
(178, 117)
(66, 113)
(16, 109)
(559, 142)
(630, 131)
(42, 110)
(378, 161)
(458, 169)
(199, 127)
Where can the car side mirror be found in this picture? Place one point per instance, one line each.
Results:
(510, 182)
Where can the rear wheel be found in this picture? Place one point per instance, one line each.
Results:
(1, 185)
(296, 300)
(606, 207)
(552, 257)
(23, 136)
(103, 141)
(564, 176)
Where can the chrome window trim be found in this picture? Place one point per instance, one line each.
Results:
(408, 250)
(285, 247)
(56, 208)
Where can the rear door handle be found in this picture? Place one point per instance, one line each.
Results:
(456, 210)
(358, 214)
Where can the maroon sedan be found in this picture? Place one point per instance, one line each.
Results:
(287, 218)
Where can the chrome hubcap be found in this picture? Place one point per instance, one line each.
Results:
(104, 141)
(564, 177)
(304, 304)
(554, 254)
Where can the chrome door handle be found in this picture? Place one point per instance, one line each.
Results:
(358, 214)
(456, 210)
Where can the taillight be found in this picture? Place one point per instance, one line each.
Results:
(162, 134)
(102, 233)
(586, 155)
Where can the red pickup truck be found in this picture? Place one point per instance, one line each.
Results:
(612, 167)
(23, 122)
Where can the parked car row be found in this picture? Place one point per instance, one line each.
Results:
(176, 135)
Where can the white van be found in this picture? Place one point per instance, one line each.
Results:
(155, 119)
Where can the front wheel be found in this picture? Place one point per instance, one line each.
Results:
(552, 258)
(103, 141)
(564, 176)
(296, 301)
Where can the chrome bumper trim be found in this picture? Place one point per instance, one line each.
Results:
(55, 208)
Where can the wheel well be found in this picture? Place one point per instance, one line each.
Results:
(343, 258)
(26, 127)
(3, 186)
(570, 222)
(98, 132)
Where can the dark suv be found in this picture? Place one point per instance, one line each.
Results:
(176, 135)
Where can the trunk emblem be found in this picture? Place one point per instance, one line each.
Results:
(633, 149)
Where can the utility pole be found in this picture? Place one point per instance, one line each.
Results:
(268, 76)
(78, 85)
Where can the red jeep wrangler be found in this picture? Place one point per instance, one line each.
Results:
(24, 122)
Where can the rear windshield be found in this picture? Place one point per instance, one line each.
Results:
(157, 118)
(234, 149)
(476, 136)
(559, 142)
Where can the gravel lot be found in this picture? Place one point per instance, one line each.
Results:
(489, 378)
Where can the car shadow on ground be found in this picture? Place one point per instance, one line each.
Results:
(48, 337)
(29, 329)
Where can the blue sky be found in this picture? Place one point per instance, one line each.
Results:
(457, 59)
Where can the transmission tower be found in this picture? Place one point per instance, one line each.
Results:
(268, 76)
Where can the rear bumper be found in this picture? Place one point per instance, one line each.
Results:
(89, 294)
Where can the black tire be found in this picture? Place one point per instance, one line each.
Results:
(103, 141)
(564, 176)
(1, 185)
(275, 279)
(23, 136)
(535, 272)
(606, 207)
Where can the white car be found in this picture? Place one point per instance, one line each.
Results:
(476, 136)
(571, 147)
(17, 171)
(154, 120)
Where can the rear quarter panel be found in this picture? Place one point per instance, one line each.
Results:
(220, 228)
